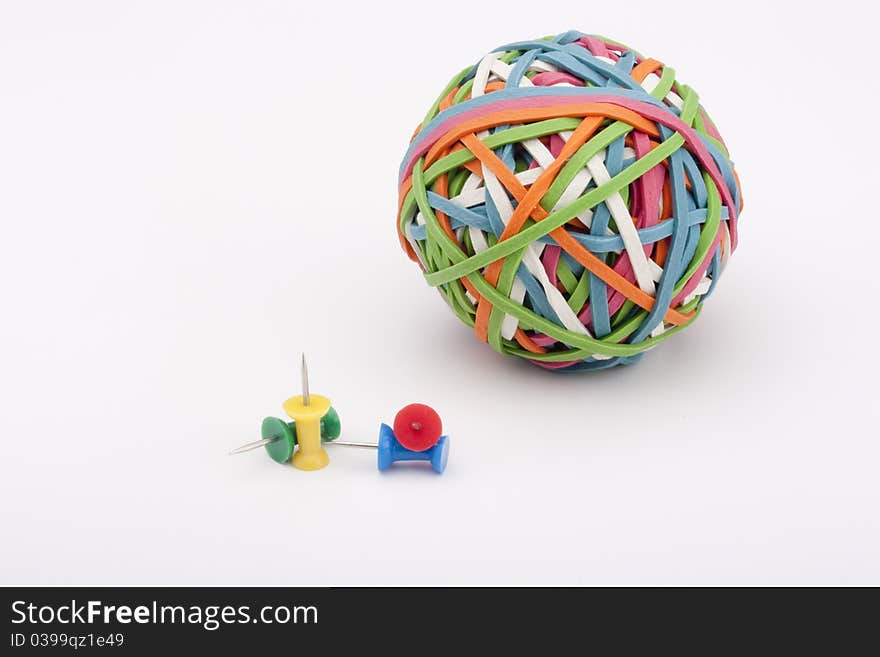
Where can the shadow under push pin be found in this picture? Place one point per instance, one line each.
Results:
(416, 436)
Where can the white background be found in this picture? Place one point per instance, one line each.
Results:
(191, 194)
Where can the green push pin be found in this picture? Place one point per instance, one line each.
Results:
(279, 437)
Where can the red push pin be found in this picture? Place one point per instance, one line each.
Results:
(416, 436)
(417, 427)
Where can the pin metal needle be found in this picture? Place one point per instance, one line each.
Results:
(350, 443)
(254, 445)
(307, 400)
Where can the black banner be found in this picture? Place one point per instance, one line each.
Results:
(108, 621)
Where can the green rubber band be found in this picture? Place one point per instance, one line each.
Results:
(464, 266)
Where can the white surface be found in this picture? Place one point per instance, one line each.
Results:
(179, 182)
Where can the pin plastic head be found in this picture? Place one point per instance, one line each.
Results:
(281, 448)
(391, 451)
(418, 427)
(307, 412)
(331, 427)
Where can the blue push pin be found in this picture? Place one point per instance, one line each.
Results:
(391, 451)
(416, 436)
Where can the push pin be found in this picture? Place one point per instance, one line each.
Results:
(416, 436)
(314, 421)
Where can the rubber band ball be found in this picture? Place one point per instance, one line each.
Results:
(571, 201)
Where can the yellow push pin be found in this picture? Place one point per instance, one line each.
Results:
(307, 410)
